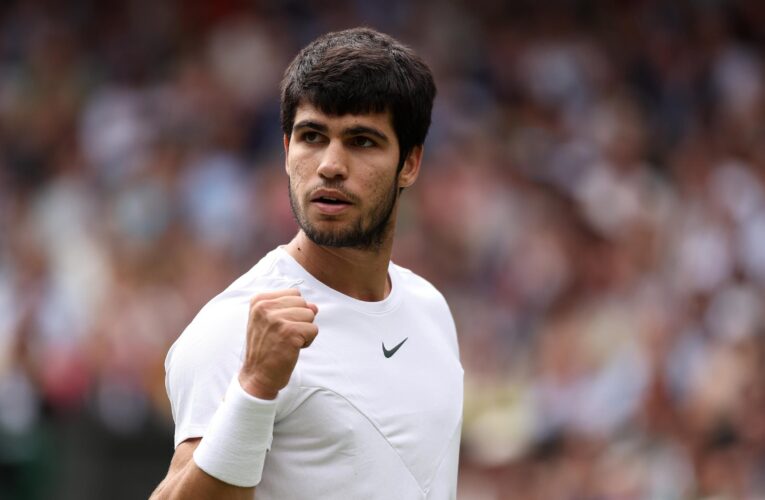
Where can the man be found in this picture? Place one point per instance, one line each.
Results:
(326, 371)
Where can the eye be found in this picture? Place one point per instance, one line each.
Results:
(311, 137)
(361, 141)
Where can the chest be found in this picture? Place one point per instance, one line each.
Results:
(390, 383)
(386, 365)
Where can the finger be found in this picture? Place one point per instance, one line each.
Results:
(287, 301)
(313, 307)
(276, 304)
(307, 333)
(297, 314)
(274, 294)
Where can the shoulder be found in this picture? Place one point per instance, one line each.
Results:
(425, 297)
(203, 360)
(422, 289)
(219, 329)
(421, 297)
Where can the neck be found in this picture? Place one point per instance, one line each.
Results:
(361, 274)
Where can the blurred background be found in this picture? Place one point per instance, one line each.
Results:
(592, 205)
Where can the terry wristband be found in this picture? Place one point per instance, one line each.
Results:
(233, 448)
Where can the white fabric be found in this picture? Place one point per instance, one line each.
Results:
(235, 443)
(351, 423)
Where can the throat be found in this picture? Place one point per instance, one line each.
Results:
(359, 274)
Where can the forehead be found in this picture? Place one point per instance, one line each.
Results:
(380, 121)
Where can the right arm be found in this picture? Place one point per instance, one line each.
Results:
(280, 323)
(185, 480)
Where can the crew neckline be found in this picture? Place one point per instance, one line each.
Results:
(376, 307)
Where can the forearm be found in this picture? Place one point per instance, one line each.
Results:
(189, 482)
(226, 463)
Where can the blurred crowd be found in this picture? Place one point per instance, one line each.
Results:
(592, 205)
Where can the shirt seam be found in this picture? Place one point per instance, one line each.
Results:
(457, 430)
(373, 424)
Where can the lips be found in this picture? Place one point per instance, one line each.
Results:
(330, 196)
(330, 201)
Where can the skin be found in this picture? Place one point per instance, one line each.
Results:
(357, 156)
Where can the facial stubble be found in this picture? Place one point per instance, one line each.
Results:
(368, 232)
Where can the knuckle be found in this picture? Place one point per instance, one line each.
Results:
(273, 318)
(282, 325)
(258, 298)
(262, 307)
(255, 304)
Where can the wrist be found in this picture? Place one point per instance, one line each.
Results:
(255, 388)
(233, 447)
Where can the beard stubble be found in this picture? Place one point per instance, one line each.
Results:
(367, 232)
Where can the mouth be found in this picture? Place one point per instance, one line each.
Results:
(330, 202)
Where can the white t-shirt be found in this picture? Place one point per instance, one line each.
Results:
(373, 409)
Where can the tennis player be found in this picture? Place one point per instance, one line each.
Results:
(327, 371)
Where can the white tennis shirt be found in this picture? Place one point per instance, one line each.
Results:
(373, 409)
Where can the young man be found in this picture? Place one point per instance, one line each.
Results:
(326, 371)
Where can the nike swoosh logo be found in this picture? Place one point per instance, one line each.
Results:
(388, 353)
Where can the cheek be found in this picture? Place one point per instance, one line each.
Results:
(298, 171)
(375, 190)
(382, 184)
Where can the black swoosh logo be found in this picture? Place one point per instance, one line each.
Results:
(388, 353)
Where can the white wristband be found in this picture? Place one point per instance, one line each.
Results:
(233, 448)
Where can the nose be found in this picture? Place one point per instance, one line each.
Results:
(333, 162)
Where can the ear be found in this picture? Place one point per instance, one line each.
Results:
(411, 168)
(286, 152)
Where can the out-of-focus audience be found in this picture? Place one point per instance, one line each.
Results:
(592, 205)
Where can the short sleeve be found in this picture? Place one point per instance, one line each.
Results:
(201, 363)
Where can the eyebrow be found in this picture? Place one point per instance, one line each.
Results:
(310, 124)
(357, 130)
(361, 130)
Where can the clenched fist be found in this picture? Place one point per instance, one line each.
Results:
(279, 325)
